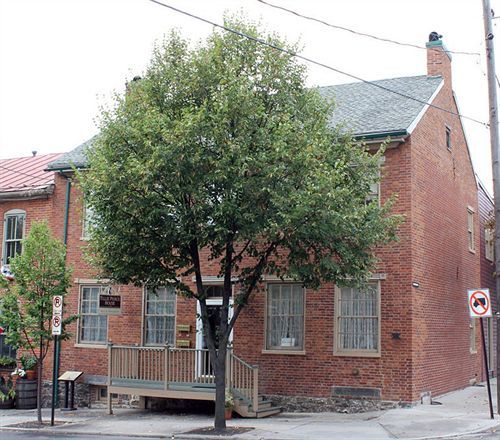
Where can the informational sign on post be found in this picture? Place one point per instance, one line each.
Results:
(57, 309)
(479, 303)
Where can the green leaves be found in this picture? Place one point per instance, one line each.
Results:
(222, 146)
(26, 306)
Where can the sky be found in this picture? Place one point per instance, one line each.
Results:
(60, 60)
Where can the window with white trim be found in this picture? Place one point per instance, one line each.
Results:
(159, 316)
(470, 229)
(93, 326)
(472, 336)
(357, 319)
(14, 223)
(285, 317)
(489, 244)
(88, 219)
(448, 137)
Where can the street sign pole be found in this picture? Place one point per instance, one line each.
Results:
(57, 310)
(54, 381)
(485, 354)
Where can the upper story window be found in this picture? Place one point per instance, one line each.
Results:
(285, 317)
(470, 229)
(489, 244)
(448, 137)
(160, 316)
(357, 320)
(374, 194)
(14, 224)
(88, 218)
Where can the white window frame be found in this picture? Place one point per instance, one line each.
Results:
(448, 137)
(12, 213)
(489, 244)
(87, 217)
(471, 240)
(145, 315)
(339, 351)
(81, 341)
(284, 349)
(472, 336)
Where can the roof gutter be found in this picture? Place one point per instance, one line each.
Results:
(381, 136)
(27, 194)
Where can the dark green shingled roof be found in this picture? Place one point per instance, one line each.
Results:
(74, 158)
(364, 109)
(367, 110)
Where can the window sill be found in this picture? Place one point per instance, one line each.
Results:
(90, 345)
(287, 352)
(370, 354)
(472, 251)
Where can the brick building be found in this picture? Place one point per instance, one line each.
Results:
(26, 194)
(406, 334)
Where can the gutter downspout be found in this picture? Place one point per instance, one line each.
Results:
(57, 344)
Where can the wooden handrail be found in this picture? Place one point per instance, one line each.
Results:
(168, 365)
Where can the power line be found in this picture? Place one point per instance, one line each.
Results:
(352, 31)
(318, 63)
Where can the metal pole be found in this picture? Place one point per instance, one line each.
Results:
(492, 95)
(485, 354)
(54, 381)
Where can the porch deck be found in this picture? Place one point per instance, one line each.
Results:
(178, 373)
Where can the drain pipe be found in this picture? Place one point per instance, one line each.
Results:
(57, 343)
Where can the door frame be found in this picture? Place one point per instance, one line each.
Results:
(199, 328)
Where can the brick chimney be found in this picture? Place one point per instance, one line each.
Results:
(438, 59)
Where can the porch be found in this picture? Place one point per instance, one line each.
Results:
(183, 373)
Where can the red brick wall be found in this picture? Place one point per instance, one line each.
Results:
(433, 187)
(487, 268)
(444, 186)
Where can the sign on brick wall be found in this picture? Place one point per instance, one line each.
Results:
(110, 304)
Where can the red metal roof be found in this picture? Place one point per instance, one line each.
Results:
(26, 172)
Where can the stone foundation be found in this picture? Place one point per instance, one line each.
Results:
(82, 394)
(331, 404)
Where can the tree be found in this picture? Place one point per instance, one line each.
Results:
(26, 306)
(220, 152)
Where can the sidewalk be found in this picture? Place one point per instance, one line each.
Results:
(462, 412)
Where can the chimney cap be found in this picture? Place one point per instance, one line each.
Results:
(34, 153)
(434, 36)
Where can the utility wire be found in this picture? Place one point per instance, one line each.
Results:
(352, 31)
(25, 174)
(318, 63)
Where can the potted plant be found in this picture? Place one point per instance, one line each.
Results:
(7, 393)
(7, 363)
(228, 405)
(29, 365)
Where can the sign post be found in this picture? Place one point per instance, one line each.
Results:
(57, 310)
(479, 307)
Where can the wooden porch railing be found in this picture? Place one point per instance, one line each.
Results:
(242, 379)
(167, 366)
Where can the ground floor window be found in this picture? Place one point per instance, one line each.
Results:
(93, 326)
(285, 317)
(160, 316)
(357, 319)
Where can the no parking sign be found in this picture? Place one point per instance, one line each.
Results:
(479, 303)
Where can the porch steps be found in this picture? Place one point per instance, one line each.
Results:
(265, 408)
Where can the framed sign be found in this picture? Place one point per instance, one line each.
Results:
(110, 304)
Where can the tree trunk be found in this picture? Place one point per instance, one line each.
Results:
(220, 389)
(39, 392)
